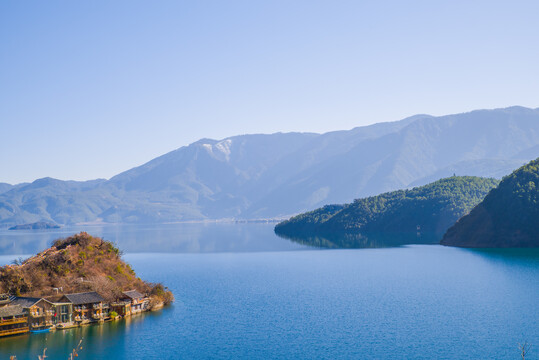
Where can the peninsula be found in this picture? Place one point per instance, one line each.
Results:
(427, 211)
(507, 217)
(79, 280)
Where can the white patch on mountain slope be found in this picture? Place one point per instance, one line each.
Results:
(221, 150)
(208, 147)
(224, 147)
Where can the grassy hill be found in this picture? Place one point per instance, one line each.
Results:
(507, 217)
(78, 263)
(429, 209)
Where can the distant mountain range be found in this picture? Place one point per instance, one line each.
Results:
(278, 175)
(5, 187)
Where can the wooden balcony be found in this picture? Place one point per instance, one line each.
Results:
(20, 330)
(14, 321)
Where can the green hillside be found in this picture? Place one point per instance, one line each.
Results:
(429, 210)
(507, 217)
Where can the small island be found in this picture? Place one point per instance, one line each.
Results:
(80, 280)
(40, 225)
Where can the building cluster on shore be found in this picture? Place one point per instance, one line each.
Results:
(20, 315)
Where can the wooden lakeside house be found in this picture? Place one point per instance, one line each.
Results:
(138, 301)
(15, 314)
(48, 312)
(122, 307)
(20, 315)
(13, 320)
(131, 302)
(30, 308)
(87, 307)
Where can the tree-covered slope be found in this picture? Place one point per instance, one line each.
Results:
(428, 209)
(507, 217)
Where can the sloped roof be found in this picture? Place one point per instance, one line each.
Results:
(133, 294)
(6, 299)
(84, 298)
(11, 310)
(53, 298)
(56, 300)
(25, 302)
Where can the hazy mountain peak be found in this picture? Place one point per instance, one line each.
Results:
(46, 181)
(220, 150)
(202, 141)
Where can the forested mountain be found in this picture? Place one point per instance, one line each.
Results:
(429, 209)
(507, 217)
(278, 175)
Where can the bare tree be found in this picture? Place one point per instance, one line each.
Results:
(524, 348)
(106, 287)
(75, 351)
(18, 261)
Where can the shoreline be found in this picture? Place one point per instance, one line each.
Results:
(5, 227)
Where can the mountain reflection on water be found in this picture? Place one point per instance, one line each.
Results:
(409, 302)
(165, 238)
(361, 241)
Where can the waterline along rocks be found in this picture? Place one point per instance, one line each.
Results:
(79, 280)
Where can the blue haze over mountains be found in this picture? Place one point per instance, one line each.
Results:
(277, 175)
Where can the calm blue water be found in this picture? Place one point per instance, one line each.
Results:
(417, 301)
(176, 238)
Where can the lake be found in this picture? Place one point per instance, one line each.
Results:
(242, 292)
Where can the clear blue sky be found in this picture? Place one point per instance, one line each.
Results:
(91, 88)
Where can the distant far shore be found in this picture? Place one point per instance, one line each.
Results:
(47, 225)
(41, 225)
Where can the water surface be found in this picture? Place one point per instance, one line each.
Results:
(180, 237)
(417, 301)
